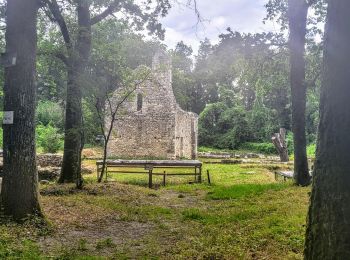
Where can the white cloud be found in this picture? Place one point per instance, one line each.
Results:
(240, 15)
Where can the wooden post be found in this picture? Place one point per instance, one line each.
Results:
(200, 175)
(279, 140)
(106, 170)
(208, 175)
(150, 181)
(195, 173)
(164, 179)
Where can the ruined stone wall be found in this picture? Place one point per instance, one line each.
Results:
(186, 134)
(146, 135)
(153, 125)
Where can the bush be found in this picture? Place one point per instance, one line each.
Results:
(49, 139)
(49, 112)
(264, 148)
(223, 127)
(311, 150)
(290, 142)
(1, 138)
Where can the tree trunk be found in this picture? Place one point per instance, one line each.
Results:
(297, 14)
(279, 141)
(328, 229)
(20, 195)
(73, 142)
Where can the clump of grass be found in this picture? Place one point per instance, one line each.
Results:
(105, 243)
(242, 190)
(192, 214)
(82, 245)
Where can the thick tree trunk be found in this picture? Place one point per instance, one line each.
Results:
(20, 183)
(73, 142)
(297, 14)
(328, 229)
(71, 168)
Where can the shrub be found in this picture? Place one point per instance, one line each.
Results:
(223, 127)
(264, 148)
(49, 112)
(1, 137)
(290, 142)
(311, 150)
(49, 139)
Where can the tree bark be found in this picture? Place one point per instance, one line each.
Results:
(328, 228)
(279, 141)
(20, 195)
(73, 142)
(297, 15)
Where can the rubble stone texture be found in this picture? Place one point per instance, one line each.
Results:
(154, 125)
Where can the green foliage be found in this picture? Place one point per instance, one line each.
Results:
(311, 150)
(49, 113)
(49, 139)
(1, 137)
(222, 127)
(264, 148)
(290, 142)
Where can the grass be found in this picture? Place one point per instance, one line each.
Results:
(244, 214)
(243, 190)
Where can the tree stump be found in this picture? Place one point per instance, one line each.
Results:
(279, 141)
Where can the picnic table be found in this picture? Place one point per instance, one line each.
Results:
(148, 167)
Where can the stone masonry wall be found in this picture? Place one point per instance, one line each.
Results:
(158, 128)
(186, 134)
(144, 136)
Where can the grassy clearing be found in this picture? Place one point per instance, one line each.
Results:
(244, 214)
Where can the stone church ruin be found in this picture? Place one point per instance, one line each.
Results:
(154, 125)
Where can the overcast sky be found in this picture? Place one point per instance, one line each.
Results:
(240, 15)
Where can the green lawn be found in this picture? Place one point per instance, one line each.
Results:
(244, 214)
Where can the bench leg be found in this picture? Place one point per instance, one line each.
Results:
(164, 176)
(200, 175)
(150, 181)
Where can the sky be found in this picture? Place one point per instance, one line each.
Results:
(240, 15)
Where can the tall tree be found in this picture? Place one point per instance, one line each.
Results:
(20, 183)
(297, 16)
(76, 59)
(328, 229)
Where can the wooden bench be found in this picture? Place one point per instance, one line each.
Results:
(148, 166)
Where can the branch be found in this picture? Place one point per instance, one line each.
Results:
(100, 119)
(109, 11)
(130, 92)
(58, 55)
(59, 19)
